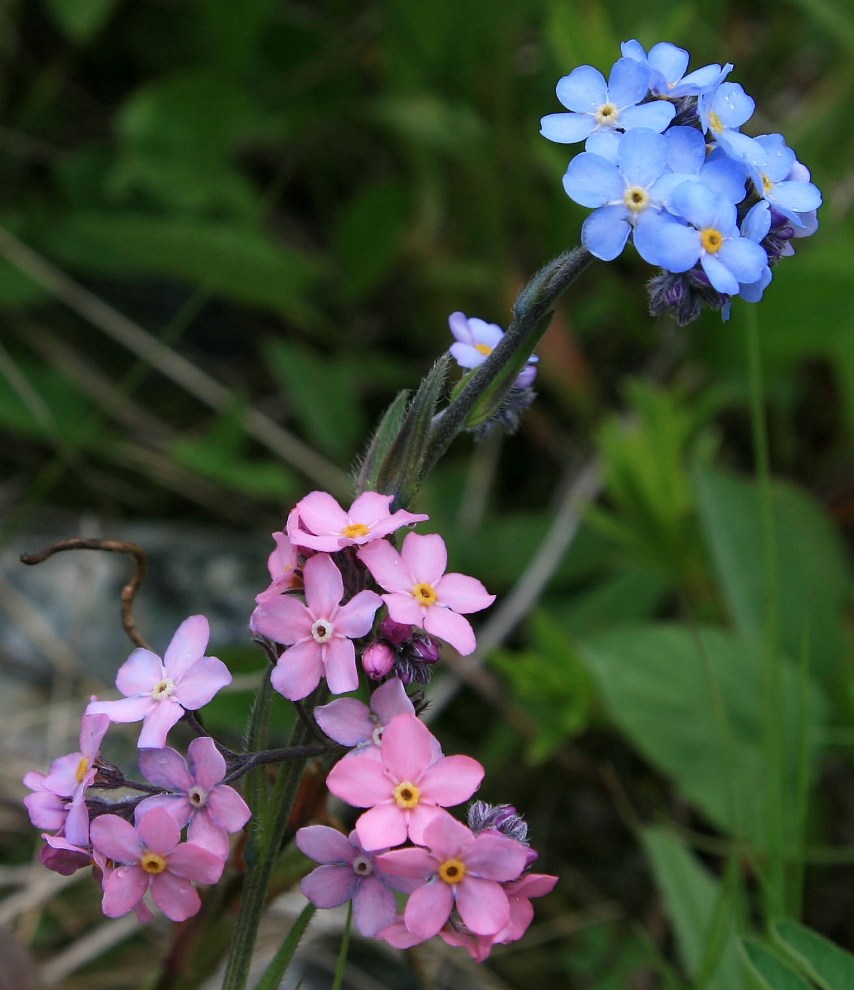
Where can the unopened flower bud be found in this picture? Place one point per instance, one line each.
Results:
(377, 660)
(396, 633)
(424, 649)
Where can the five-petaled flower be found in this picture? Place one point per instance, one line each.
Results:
(318, 522)
(158, 691)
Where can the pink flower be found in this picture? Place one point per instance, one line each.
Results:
(352, 723)
(321, 631)
(519, 893)
(421, 594)
(61, 856)
(158, 691)
(283, 565)
(458, 869)
(198, 797)
(406, 788)
(349, 873)
(152, 857)
(318, 521)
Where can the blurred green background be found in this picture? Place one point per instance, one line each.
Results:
(232, 230)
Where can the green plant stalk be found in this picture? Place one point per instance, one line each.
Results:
(266, 834)
(774, 886)
(275, 972)
(342, 952)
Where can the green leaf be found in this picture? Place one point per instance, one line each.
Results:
(226, 259)
(384, 436)
(700, 908)
(272, 976)
(830, 966)
(767, 971)
(812, 577)
(80, 20)
(686, 699)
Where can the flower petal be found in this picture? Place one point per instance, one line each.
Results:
(324, 586)
(176, 897)
(206, 763)
(339, 661)
(329, 886)
(139, 673)
(386, 566)
(165, 768)
(124, 709)
(156, 725)
(407, 748)
(346, 720)
(425, 557)
(298, 671)
(374, 907)
(391, 699)
(483, 905)
(325, 845)
(159, 831)
(200, 682)
(115, 838)
(283, 619)
(463, 594)
(188, 644)
(196, 863)
(123, 888)
(450, 780)
(453, 628)
(360, 780)
(356, 617)
(428, 908)
(381, 826)
(320, 513)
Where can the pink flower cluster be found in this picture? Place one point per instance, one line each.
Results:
(136, 844)
(469, 885)
(318, 616)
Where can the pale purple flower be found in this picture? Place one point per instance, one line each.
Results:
(475, 341)
(318, 522)
(152, 857)
(349, 873)
(420, 593)
(406, 788)
(283, 565)
(457, 869)
(158, 691)
(197, 797)
(319, 633)
(352, 723)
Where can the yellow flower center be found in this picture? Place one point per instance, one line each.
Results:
(712, 240)
(715, 122)
(152, 862)
(607, 114)
(82, 767)
(424, 594)
(354, 530)
(163, 689)
(484, 349)
(452, 871)
(767, 184)
(636, 199)
(406, 794)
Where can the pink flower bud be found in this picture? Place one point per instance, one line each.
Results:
(378, 659)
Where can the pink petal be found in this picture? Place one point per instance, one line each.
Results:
(356, 617)
(447, 838)
(483, 905)
(412, 862)
(92, 731)
(407, 748)
(138, 674)
(428, 908)
(477, 946)
(206, 763)
(77, 824)
(298, 671)
(329, 886)
(463, 594)
(115, 838)
(122, 889)
(160, 718)
(386, 566)
(450, 780)
(165, 768)
(200, 682)
(324, 586)
(227, 808)
(325, 845)
(195, 863)
(204, 832)
(532, 885)
(497, 857)
(398, 935)
(360, 781)
(176, 897)
(381, 826)
(320, 513)
(62, 778)
(158, 831)
(124, 709)
(422, 815)
(176, 804)
(391, 699)
(283, 619)
(339, 661)
(345, 720)
(188, 645)
(370, 508)
(46, 810)
(425, 557)
(403, 608)
(453, 628)
(374, 907)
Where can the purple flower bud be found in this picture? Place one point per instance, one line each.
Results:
(377, 660)
(425, 649)
(396, 633)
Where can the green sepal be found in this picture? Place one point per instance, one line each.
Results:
(368, 468)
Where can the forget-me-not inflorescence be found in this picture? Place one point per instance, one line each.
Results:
(666, 165)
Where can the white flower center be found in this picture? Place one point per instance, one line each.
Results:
(362, 866)
(377, 735)
(322, 631)
(607, 114)
(197, 796)
(163, 689)
(636, 198)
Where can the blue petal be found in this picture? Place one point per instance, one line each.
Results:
(732, 104)
(669, 60)
(642, 156)
(757, 223)
(795, 197)
(726, 177)
(604, 142)
(699, 81)
(720, 276)
(566, 128)
(605, 232)
(753, 291)
(661, 240)
(628, 82)
(686, 149)
(656, 116)
(583, 90)
(633, 49)
(743, 257)
(592, 180)
(697, 203)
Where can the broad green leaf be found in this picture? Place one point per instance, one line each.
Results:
(812, 577)
(765, 970)
(702, 912)
(226, 259)
(688, 700)
(830, 966)
(80, 20)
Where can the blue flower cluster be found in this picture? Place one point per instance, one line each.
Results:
(665, 163)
